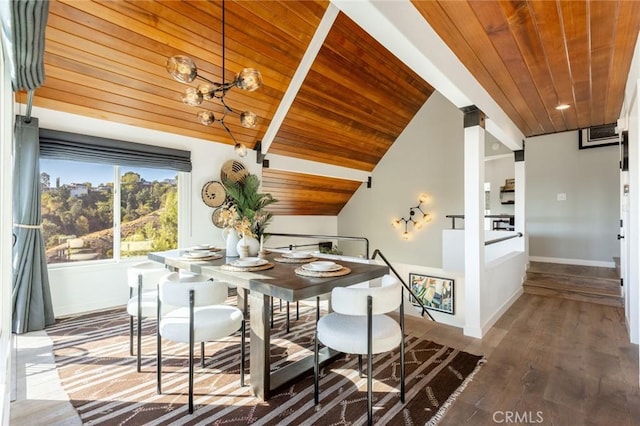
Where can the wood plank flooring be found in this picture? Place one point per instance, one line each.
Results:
(550, 361)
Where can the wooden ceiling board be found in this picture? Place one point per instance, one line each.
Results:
(307, 194)
(488, 67)
(548, 26)
(358, 94)
(627, 24)
(106, 59)
(550, 52)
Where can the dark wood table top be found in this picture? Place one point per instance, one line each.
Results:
(281, 281)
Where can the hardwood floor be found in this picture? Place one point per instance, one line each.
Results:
(550, 361)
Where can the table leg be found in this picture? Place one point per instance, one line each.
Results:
(242, 294)
(260, 345)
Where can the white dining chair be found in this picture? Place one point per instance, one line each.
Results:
(200, 316)
(359, 326)
(142, 280)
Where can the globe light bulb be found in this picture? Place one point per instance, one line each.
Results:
(240, 149)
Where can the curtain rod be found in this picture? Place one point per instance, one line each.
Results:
(27, 118)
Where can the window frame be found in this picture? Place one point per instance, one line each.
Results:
(184, 211)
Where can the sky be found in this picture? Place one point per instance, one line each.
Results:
(77, 172)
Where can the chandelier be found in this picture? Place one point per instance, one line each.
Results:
(184, 70)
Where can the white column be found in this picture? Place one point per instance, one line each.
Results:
(473, 218)
(519, 209)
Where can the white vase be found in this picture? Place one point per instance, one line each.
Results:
(252, 243)
(231, 238)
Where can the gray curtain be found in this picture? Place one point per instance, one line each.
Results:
(29, 20)
(32, 307)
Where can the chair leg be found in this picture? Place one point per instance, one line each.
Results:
(139, 323)
(316, 370)
(191, 377)
(297, 311)
(158, 345)
(202, 354)
(242, 353)
(191, 344)
(369, 390)
(288, 324)
(139, 343)
(130, 335)
(272, 312)
(158, 362)
(360, 365)
(317, 309)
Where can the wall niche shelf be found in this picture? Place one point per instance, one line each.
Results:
(507, 196)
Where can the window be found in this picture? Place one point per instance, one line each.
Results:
(79, 215)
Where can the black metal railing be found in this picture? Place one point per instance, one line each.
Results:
(377, 253)
(498, 240)
(319, 237)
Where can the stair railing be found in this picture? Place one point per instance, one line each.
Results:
(377, 253)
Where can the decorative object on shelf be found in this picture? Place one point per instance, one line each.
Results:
(213, 194)
(435, 293)
(184, 70)
(417, 223)
(244, 209)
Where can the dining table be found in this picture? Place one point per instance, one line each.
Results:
(279, 280)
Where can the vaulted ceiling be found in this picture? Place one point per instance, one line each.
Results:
(352, 97)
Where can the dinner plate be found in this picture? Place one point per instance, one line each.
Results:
(249, 261)
(197, 254)
(201, 247)
(322, 266)
(297, 255)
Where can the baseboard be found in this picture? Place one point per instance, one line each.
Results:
(505, 306)
(579, 262)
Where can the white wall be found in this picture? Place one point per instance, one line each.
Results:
(582, 229)
(81, 288)
(426, 157)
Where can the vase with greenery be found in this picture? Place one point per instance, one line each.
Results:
(245, 206)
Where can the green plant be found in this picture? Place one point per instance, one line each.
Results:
(246, 206)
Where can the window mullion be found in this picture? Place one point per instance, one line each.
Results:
(116, 212)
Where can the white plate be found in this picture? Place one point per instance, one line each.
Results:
(297, 255)
(249, 261)
(322, 266)
(201, 247)
(197, 255)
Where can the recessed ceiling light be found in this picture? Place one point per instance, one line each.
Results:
(563, 107)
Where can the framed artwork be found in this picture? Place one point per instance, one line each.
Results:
(435, 293)
(597, 136)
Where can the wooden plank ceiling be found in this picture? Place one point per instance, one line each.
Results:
(106, 59)
(532, 56)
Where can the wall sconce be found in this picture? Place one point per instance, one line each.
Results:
(416, 222)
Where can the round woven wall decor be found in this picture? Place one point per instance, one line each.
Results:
(216, 220)
(233, 171)
(213, 194)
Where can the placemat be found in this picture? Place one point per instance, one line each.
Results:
(200, 259)
(295, 260)
(323, 274)
(228, 267)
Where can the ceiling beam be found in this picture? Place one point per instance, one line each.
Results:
(290, 164)
(300, 75)
(399, 27)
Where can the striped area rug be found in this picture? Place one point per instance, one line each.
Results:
(96, 370)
